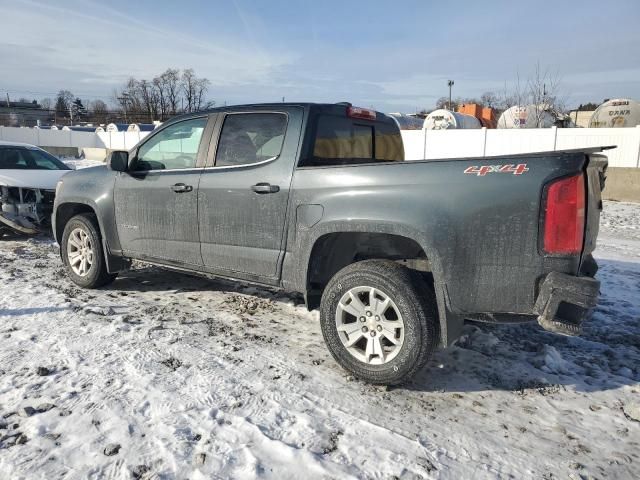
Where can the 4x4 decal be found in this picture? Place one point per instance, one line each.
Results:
(482, 170)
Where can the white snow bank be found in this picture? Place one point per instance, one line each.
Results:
(77, 163)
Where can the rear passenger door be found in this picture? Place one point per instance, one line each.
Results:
(244, 191)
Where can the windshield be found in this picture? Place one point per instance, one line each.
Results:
(21, 158)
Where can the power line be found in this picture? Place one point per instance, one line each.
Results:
(54, 111)
(24, 110)
(55, 94)
(114, 112)
(26, 114)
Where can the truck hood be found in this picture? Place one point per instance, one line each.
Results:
(43, 179)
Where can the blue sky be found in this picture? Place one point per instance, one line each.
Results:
(394, 56)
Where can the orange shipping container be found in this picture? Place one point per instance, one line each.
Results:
(486, 115)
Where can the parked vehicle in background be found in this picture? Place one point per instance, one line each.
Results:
(28, 177)
(317, 199)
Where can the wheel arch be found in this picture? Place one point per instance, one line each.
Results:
(336, 245)
(66, 211)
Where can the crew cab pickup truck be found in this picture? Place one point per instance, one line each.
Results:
(317, 199)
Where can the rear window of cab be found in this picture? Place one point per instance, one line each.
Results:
(341, 140)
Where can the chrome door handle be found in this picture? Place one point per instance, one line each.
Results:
(181, 188)
(263, 187)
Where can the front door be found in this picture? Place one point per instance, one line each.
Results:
(157, 199)
(242, 200)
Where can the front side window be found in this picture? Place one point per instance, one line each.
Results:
(29, 159)
(250, 138)
(175, 147)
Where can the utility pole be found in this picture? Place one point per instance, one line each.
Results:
(124, 98)
(450, 84)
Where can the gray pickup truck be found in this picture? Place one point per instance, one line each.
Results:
(316, 198)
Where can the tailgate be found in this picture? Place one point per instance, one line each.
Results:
(596, 170)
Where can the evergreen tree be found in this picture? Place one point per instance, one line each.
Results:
(78, 110)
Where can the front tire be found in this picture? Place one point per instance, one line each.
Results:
(82, 252)
(379, 321)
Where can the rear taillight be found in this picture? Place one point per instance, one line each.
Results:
(564, 216)
(359, 112)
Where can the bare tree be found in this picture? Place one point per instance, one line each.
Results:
(131, 101)
(162, 98)
(516, 96)
(170, 80)
(98, 111)
(46, 104)
(159, 98)
(202, 86)
(489, 99)
(540, 93)
(194, 90)
(188, 84)
(543, 88)
(148, 99)
(443, 103)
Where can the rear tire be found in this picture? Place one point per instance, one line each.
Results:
(379, 321)
(82, 252)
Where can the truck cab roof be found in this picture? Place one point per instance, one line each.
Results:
(315, 108)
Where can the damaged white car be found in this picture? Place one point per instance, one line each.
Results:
(28, 178)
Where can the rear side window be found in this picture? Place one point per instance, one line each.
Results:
(344, 141)
(389, 146)
(248, 138)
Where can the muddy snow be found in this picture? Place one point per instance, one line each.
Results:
(163, 375)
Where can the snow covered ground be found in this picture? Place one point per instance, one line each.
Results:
(163, 375)
(78, 163)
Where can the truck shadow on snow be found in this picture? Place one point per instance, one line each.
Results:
(524, 357)
(17, 312)
(518, 357)
(157, 279)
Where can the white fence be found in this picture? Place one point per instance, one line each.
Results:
(120, 140)
(419, 144)
(72, 139)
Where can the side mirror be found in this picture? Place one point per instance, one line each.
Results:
(118, 160)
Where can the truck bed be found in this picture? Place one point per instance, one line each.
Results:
(478, 228)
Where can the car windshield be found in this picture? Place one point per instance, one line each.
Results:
(22, 158)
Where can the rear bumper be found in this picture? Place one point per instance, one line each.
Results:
(565, 302)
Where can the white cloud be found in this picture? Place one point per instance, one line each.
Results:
(90, 48)
(90, 44)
